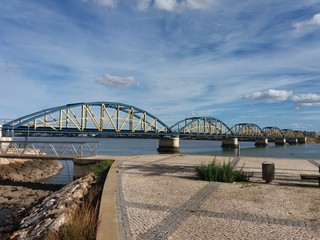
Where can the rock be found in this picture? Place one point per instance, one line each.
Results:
(52, 212)
(29, 170)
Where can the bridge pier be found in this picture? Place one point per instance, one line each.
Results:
(261, 142)
(169, 144)
(5, 144)
(280, 141)
(82, 167)
(230, 143)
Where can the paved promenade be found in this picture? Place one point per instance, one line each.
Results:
(159, 197)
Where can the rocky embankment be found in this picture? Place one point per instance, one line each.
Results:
(53, 211)
(30, 209)
(28, 170)
(20, 188)
(20, 184)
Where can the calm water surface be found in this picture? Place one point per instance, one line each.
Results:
(127, 147)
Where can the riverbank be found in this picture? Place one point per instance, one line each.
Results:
(21, 187)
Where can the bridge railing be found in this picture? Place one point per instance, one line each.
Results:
(47, 149)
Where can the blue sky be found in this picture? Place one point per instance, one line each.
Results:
(239, 61)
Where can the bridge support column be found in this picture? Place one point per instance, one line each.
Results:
(302, 140)
(230, 143)
(261, 142)
(280, 141)
(292, 140)
(4, 145)
(168, 144)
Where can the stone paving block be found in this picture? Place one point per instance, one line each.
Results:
(301, 223)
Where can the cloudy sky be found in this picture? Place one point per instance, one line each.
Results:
(239, 61)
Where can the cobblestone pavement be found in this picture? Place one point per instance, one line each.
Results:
(159, 197)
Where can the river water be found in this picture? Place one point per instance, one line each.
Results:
(130, 146)
(133, 146)
(122, 146)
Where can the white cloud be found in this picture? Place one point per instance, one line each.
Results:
(143, 4)
(300, 100)
(270, 96)
(198, 4)
(168, 5)
(174, 5)
(306, 100)
(302, 25)
(299, 126)
(115, 81)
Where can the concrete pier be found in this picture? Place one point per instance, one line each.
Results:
(4, 144)
(280, 141)
(168, 144)
(82, 167)
(261, 142)
(230, 143)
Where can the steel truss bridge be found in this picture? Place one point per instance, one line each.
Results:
(117, 119)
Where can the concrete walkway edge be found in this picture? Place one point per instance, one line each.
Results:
(108, 221)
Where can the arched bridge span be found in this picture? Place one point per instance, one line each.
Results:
(201, 126)
(282, 133)
(91, 118)
(247, 130)
(273, 132)
(289, 133)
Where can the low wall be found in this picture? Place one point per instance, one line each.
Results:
(108, 220)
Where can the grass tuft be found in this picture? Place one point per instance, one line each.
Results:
(101, 167)
(82, 222)
(217, 172)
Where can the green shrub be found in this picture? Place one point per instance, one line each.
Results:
(101, 167)
(217, 172)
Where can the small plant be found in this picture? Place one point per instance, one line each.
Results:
(218, 172)
(101, 167)
(82, 223)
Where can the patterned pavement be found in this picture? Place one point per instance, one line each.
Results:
(159, 197)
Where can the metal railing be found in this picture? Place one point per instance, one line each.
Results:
(47, 149)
